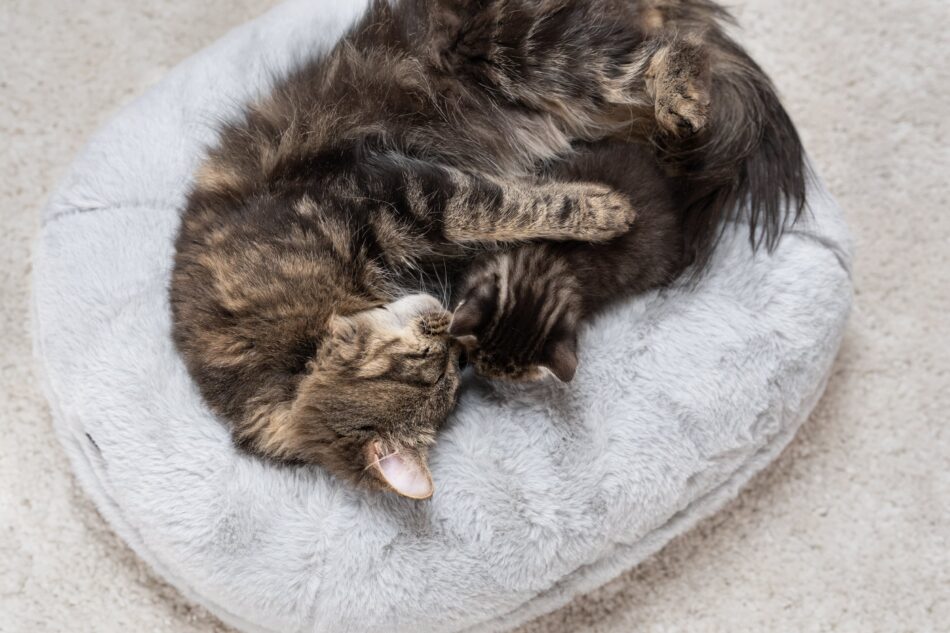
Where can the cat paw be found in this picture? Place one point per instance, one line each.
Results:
(681, 116)
(679, 79)
(605, 214)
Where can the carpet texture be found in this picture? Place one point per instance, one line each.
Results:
(848, 531)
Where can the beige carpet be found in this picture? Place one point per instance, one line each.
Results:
(848, 531)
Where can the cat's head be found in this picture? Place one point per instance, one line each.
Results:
(381, 385)
(518, 316)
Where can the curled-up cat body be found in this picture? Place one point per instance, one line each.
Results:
(416, 143)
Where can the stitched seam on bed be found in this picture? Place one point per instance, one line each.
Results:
(156, 205)
(840, 253)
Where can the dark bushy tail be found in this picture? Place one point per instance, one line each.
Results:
(747, 163)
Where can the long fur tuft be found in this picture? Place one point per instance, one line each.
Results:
(747, 164)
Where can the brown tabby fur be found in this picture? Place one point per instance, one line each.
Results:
(435, 130)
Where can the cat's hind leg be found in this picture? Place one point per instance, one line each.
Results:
(597, 66)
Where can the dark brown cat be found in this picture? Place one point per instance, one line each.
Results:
(414, 144)
(519, 309)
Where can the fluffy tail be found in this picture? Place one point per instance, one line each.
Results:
(747, 163)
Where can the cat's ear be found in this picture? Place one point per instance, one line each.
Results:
(475, 309)
(406, 472)
(466, 319)
(560, 357)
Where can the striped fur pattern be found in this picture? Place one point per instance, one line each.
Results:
(519, 318)
(519, 310)
(436, 132)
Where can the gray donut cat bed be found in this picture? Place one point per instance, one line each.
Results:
(543, 491)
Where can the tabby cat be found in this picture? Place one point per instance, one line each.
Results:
(434, 131)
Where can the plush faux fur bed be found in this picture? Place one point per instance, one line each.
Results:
(542, 491)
